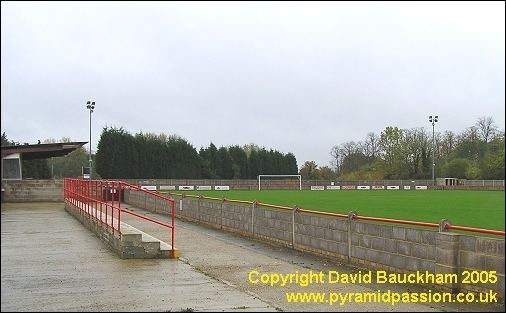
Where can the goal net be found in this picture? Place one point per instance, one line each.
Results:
(279, 182)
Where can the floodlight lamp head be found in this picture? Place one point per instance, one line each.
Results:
(88, 102)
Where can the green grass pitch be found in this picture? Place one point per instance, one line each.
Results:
(484, 209)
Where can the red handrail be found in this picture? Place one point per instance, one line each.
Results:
(476, 230)
(79, 191)
(396, 221)
(324, 213)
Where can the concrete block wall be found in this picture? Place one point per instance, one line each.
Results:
(273, 225)
(482, 254)
(210, 212)
(393, 248)
(47, 190)
(322, 235)
(236, 217)
(139, 199)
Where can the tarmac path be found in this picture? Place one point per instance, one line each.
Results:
(52, 262)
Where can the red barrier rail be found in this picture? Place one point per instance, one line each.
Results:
(476, 230)
(356, 216)
(396, 221)
(93, 197)
(323, 213)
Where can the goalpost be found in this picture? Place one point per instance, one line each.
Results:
(260, 179)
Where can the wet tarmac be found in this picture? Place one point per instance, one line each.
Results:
(51, 262)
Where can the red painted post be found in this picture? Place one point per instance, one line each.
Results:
(119, 208)
(104, 192)
(101, 200)
(95, 204)
(119, 194)
(172, 222)
(79, 201)
(112, 219)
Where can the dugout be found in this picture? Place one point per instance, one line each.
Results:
(449, 181)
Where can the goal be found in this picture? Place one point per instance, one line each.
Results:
(264, 177)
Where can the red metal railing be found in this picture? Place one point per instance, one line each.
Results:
(476, 230)
(101, 200)
(446, 226)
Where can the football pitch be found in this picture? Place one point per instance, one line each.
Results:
(483, 209)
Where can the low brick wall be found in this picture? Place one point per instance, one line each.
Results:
(33, 190)
(395, 249)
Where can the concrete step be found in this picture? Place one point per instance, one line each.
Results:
(136, 243)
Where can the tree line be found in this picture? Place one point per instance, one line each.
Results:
(475, 153)
(147, 155)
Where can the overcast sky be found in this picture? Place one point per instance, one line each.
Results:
(297, 77)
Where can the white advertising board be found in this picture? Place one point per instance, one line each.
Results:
(421, 187)
(348, 187)
(393, 187)
(151, 188)
(186, 188)
(363, 187)
(204, 188)
(407, 187)
(333, 187)
(378, 187)
(317, 187)
(221, 187)
(167, 187)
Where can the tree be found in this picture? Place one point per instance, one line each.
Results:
(447, 144)
(456, 168)
(291, 162)
(475, 153)
(371, 146)
(486, 128)
(239, 162)
(70, 165)
(326, 173)
(469, 145)
(5, 141)
(337, 158)
(390, 140)
(353, 162)
(309, 170)
(224, 168)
